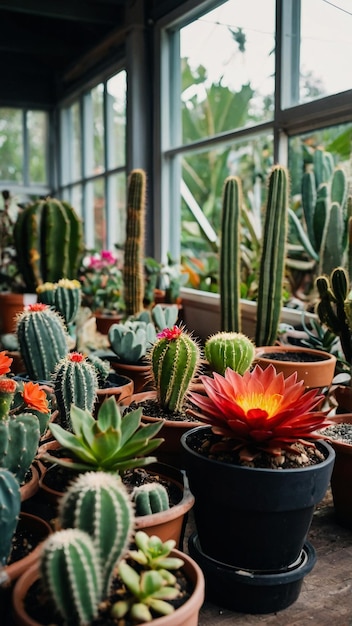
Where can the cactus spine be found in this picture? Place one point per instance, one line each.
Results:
(48, 238)
(230, 258)
(175, 358)
(42, 339)
(98, 503)
(70, 569)
(150, 498)
(10, 506)
(233, 350)
(133, 272)
(76, 382)
(272, 264)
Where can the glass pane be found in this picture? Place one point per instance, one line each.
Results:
(11, 145)
(203, 175)
(75, 138)
(228, 68)
(98, 129)
(37, 126)
(325, 48)
(116, 132)
(76, 199)
(100, 239)
(117, 210)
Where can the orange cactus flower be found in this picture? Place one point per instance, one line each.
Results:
(35, 397)
(7, 386)
(260, 410)
(37, 307)
(5, 363)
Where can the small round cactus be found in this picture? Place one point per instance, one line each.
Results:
(150, 498)
(232, 349)
(76, 382)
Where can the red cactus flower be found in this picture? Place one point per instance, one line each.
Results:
(170, 333)
(35, 397)
(76, 357)
(37, 307)
(7, 386)
(5, 363)
(260, 410)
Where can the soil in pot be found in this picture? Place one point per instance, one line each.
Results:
(297, 357)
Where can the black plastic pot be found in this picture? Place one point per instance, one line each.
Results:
(250, 518)
(252, 592)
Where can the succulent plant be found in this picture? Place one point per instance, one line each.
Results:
(76, 382)
(164, 317)
(175, 359)
(43, 340)
(150, 498)
(229, 349)
(112, 442)
(10, 506)
(131, 340)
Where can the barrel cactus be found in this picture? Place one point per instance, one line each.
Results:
(65, 296)
(76, 382)
(233, 350)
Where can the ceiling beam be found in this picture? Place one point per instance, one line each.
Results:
(73, 10)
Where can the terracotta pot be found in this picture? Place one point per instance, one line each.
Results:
(40, 529)
(341, 479)
(120, 387)
(318, 373)
(10, 305)
(343, 397)
(31, 487)
(138, 373)
(170, 451)
(185, 615)
(104, 321)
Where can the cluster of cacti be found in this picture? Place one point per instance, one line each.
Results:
(10, 506)
(327, 214)
(48, 238)
(43, 340)
(131, 340)
(175, 359)
(111, 442)
(133, 271)
(230, 255)
(76, 382)
(150, 498)
(335, 307)
(65, 296)
(272, 266)
(229, 349)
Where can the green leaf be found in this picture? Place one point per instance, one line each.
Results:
(109, 415)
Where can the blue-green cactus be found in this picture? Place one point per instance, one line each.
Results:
(76, 382)
(10, 505)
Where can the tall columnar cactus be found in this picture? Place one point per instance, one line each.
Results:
(43, 340)
(335, 307)
(272, 266)
(48, 237)
(133, 272)
(71, 572)
(76, 382)
(233, 350)
(10, 506)
(65, 296)
(98, 503)
(175, 359)
(230, 257)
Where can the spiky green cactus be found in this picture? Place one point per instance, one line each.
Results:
(102, 368)
(10, 506)
(131, 340)
(133, 271)
(71, 572)
(175, 359)
(19, 440)
(76, 382)
(233, 350)
(43, 340)
(230, 258)
(65, 296)
(48, 238)
(335, 305)
(150, 498)
(98, 503)
(272, 264)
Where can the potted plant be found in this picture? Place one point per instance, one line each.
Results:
(93, 545)
(257, 471)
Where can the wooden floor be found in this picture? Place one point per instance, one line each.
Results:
(326, 595)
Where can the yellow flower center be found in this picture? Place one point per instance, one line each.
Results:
(268, 403)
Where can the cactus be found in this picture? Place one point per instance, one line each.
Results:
(10, 506)
(76, 382)
(19, 439)
(42, 339)
(71, 572)
(98, 503)
(233, 350)
(133, 272)
(150, 498)
(48, 237)
(272, 264)
(334, 307)
(112, 442)
(102, 368)
(131, 341)
(230, 258)
(164, 317)
(64, 296)
(175, 359)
